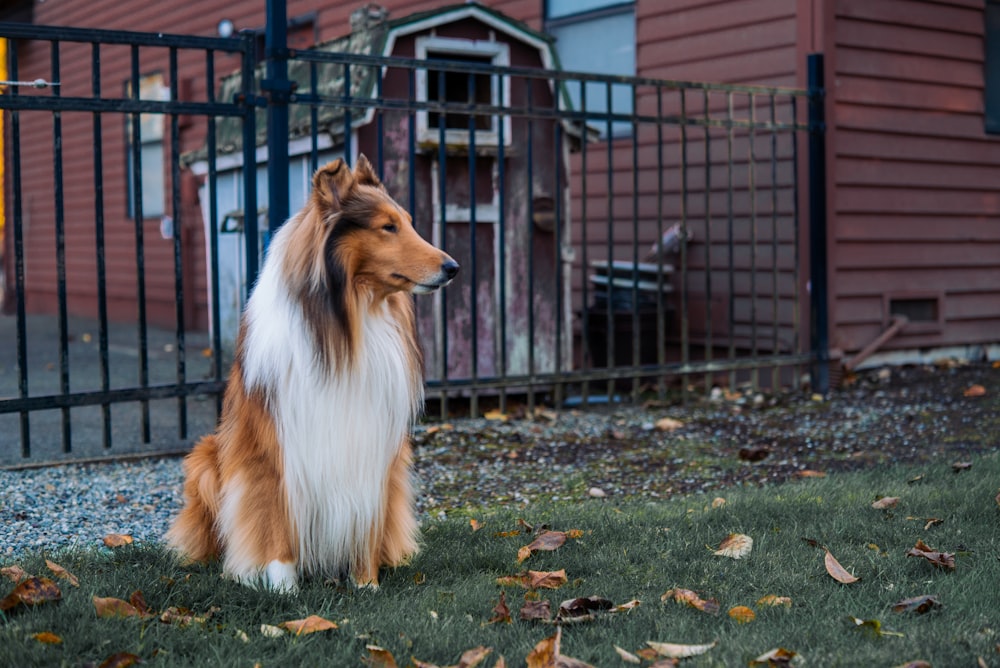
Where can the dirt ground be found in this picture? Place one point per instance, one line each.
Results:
(944, 413)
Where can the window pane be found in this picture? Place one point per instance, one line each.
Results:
(559, 8)
(578, 51)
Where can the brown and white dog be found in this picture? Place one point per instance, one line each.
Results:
(308, 472)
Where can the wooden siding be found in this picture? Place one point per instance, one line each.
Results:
(915, 204)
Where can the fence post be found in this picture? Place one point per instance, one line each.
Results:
(819, 327)
(278, 90)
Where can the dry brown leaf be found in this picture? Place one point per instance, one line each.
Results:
(379, 657)
(310, 624)
(668, 424)
(576, 608)
(501, 613)
(742, 614)
(536, 611)
(873, 628)
(932, 521)
(773, 601)
(114, 607)
(945, 560)
(501, 662)
(535, 579)
(117, 540)
(507, 534)
(735, 546)
(777, 658)
(885, 502)
(62, 573)
(16, 573)
(120, 660)
(665, 663)
(808, 473)
(545, 542)
(917, 604)
(679, 651)
(692, 599)
(31, 592)
(626, 607)
(473, 657)
(47, 638)
(836, 571)
(626, 656)
(718, 502)
(495, 415)
(475, 524)
(545, 652)
(975, 391)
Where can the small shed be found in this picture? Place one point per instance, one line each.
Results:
(484, 196)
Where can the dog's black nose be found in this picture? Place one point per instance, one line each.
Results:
(450, 269)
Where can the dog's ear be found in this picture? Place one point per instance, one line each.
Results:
(364, 173)
(332, 182)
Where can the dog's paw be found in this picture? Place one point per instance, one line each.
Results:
(281, 577)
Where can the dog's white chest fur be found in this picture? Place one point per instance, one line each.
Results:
(339, 431)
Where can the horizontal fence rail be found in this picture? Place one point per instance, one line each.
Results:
(619, 237)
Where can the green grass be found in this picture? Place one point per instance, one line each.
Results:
(439, 606)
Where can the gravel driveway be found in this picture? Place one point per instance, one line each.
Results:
(888, 416)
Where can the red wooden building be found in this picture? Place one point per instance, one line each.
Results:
(913, 203)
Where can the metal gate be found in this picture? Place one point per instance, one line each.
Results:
(608, 254)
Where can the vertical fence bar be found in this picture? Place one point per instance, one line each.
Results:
(752, 184)
(473, 250)
(140, 245)
(348, 122)
(314, 118)
(709, 344)
(530, 169)
(731, 273)
(250, 228)
(60, 230)
(558, 231)
(610, 228)
(818, 305)
(176, 213)
(796, 265)
(278, 89)
(102, 291)
(685, 320)
(588, 354)
(501, 231)
(442, 295)
(775, 288)
(213, 229)
(661, 324)
(19, 277)
(636, 303)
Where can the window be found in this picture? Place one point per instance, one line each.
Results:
(991, 70)
(462, 88)
(151, 131)
(596, 36)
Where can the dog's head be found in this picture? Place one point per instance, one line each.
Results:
(371, 237)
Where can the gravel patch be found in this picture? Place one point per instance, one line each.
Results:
(883, 417)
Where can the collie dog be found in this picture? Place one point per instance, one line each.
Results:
(308, 472)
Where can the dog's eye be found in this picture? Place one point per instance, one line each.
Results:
(391, 228)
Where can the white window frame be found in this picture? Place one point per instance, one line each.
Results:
(427, 48)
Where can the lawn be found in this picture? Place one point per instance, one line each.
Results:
(448, 600)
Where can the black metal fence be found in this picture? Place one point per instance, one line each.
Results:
(610, 250)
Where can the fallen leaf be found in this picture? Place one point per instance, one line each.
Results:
(808, 473)
(958, 467)
(379, 657)
(545, 542)
(735, 546)
(836, 571)
(183, 617)
(473, 657)
(777, 658)
(117, 540)
(536, 611)
(718, 502)
(668, 424)
(773, 601)
(975, 391)
(138, 602)
(932, 521)
(742, 614)
(873, 627)
(524, 525)
(626, 656)
(47, 638)
(114, 607)
(120, 660)
(692, 599)
(754, 454)
(545, 652)
(62, 573)
(501, 613)
(915, 664)
(311, 624)
(16, 573)
(885, 502)
(679, 651)
(626, 607)
(507, 534)
(475, 524)
(917, 604)
(916, 478)
(945, 560)
(536, 579)
(271, 631)
(495, 415)
(582, 607)
(31, 592)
